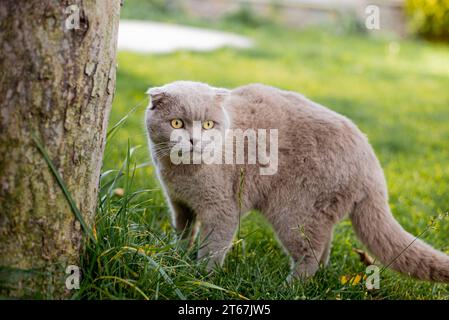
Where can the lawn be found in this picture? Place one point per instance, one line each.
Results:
(395, 91)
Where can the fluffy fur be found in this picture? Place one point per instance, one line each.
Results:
(327, 169)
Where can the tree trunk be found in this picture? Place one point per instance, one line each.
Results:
(57, 80)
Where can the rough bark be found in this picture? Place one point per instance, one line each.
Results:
(59, 83)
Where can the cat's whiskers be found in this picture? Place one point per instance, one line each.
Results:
(162, 149)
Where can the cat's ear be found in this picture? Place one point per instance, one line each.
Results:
(157, 95)
(221, 93)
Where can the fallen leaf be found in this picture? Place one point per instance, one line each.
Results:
(119, 192)
(352, 279)
(365, 258)
(94, 231)
(356, 279)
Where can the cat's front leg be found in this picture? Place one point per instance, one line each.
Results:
(217, 228)
(183, 220)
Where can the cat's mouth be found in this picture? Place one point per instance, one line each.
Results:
(196, 149)
(191, 149)
(200, 148)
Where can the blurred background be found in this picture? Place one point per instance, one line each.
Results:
(382, 63)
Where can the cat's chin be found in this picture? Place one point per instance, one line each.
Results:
(195, 154)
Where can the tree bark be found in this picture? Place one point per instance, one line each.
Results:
(57, 80)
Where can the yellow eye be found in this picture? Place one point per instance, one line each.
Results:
(177, 123)
(208, 124)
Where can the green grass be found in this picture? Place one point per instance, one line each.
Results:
(400, 99)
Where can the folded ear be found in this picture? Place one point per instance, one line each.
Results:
(157, 95)
(221, 93)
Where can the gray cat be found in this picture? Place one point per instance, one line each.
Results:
(326, 169)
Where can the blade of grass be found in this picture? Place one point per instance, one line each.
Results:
(213, 286)
(61, 183)
(111, 132)
(125, 282)
(160, 270)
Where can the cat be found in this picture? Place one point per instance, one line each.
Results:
(326, 169)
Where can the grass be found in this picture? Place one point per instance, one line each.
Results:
(396, 92)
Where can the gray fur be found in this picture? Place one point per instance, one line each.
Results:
(327, 169)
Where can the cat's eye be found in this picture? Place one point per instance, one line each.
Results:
(208, 124)
(177, 123)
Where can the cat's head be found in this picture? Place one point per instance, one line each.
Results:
(178, 105)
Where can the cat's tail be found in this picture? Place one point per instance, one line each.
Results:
(392, 245)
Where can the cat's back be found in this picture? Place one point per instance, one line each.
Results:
(303, 125)
(262, 106)
(257, 106)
